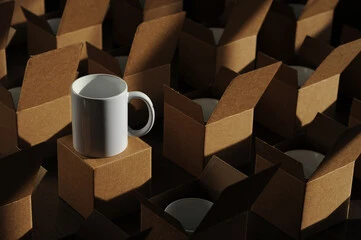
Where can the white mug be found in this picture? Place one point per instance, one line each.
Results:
(208, 105)
(100, 115)
(15, 94)
(54, 24)
(303, 74)
(189, 212)
(310, 160)
(297, 9)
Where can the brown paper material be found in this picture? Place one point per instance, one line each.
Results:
(354, 120)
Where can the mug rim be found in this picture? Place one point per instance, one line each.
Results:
(99, 99)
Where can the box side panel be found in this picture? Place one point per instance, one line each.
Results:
(113, 181)
(16, 219)
(230, 138)
(162, 11)
(3, 67)
(75, 180)
(350, 86)
(35, 6)
(320, 97)
(281, 202)
(39, 40)
(8, 130)
(238, 56)
(183, 141)
(45, 122)
(327, 198)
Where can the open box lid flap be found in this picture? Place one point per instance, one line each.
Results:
(223, 78)
(48, 76)
(276, 156)
(97, 226)
(103, 58)
(237, 198)
(345, 150)
(81, 14)
(6, 98)
(198, 31)
(336, 62)
(151, 4)
(11, 34)
(324, 131)
(349, 34)
(355, 109)
(244, 92)
(183, 104)
(18, 174)
(37, 20)
(314, 7)
(154, 43)
(245, 20)
(6, 14)
(218, 175)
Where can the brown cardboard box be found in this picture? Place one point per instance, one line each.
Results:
(43, 112)
(231, 192)
(285, 108)
(128, 14)
(190, 142)
(19, 175)
(81, 21)
(200, 57)
(148, 66)
(103, 183)
(354, 120)
(6, 34)
(301, 207)
(349, 34)
(282, 35)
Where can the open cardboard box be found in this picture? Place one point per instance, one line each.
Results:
(128, 14)
(301, 207)
(20, 173)
(286, 108)
(6, 35)
(98, 227)
(283, 33)
(148, 66)
(354, 120)
(203, 52)
(189, 141)
(43, 112)
(81, 21)
(231, 192)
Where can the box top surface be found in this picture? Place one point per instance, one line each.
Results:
(48, 76)
(154, 43)
(6, 13)
(135, 145)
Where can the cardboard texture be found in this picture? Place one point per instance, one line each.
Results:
(6, 12)
(103, 183)
(286, 108)
(349, 34)
(81, 21)
(282, 34)
(200, 57)
(128, 14)
(301, 207)
(225, 187)
(148, 66)
(190, 142)
(44, 111)
(354, 120)
(17, 184)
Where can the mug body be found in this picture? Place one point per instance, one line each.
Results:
(99, 115)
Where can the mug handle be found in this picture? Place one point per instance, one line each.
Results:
(151, 116)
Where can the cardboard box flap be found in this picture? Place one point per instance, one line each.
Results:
(103, 58)
(282, 9)
(6, 14)
(6, 98)
(183, 104)
(336, 62)
(11, 34)
(355, 109)
(349, 34)
(141, 236)
(313, 8)
(244, 92)
(246, 20)
(49, 75)
(218, 175)
(324, 131)
(237, 198)
(223, 78)
(151, 4)
(97, 227)
(154, 43)
(36, 20)
(198, 31)
(18, 174)
(80, 14)
(276, 156)
(345, 150)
